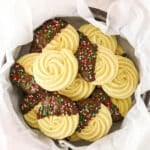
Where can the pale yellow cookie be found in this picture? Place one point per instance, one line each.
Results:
(122, 104)
(54, 70)
(96, 36)
(125, 83)
(106, 67)
(31, 117)
(27, 62)
(74, 137)
(79, 89)
(68, 38)
(59, 127)
(98, 127)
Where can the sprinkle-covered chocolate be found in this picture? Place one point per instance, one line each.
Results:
(45, 33)
(86, 55)
(99, 95)
(88, 109)
(56, 104)
(20, 78)
(29, 102)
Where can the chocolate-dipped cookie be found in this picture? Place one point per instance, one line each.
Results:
(55, 34)
(58, 116)
(23, 80)
(99, 95)
(29, 108)
(96, 36)
(97, 64)
(45, 33)
(94, 120)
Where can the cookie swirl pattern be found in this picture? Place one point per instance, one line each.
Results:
(106, 66)
(27, 62)
(99, 38)
(123, 105)
(55, 70)
(98, 126)
(58, 127)
(58, 116)
(67, 38)
(125, 83)
(79, 89)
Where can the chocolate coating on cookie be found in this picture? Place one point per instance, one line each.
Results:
(88, 108)
(56, 104)
(29, 102)
(86, 55)
(23, 80)
(99, 95)
(45, 33)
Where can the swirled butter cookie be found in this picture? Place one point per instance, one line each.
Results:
(106, 67)
(99, 95)
(94, 120)
(123, 105)
(45, 33)
(58, 116)
(67, 38)
(125, 83)
(27, 62)
(97, 64)
(23, 80)
(54, 70)
(79, 89)
(96, 36)
(55, 34)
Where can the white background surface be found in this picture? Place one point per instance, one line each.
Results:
(130, 18)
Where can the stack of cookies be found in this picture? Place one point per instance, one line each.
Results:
(76, 82)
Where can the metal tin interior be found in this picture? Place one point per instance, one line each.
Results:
(76, 22)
